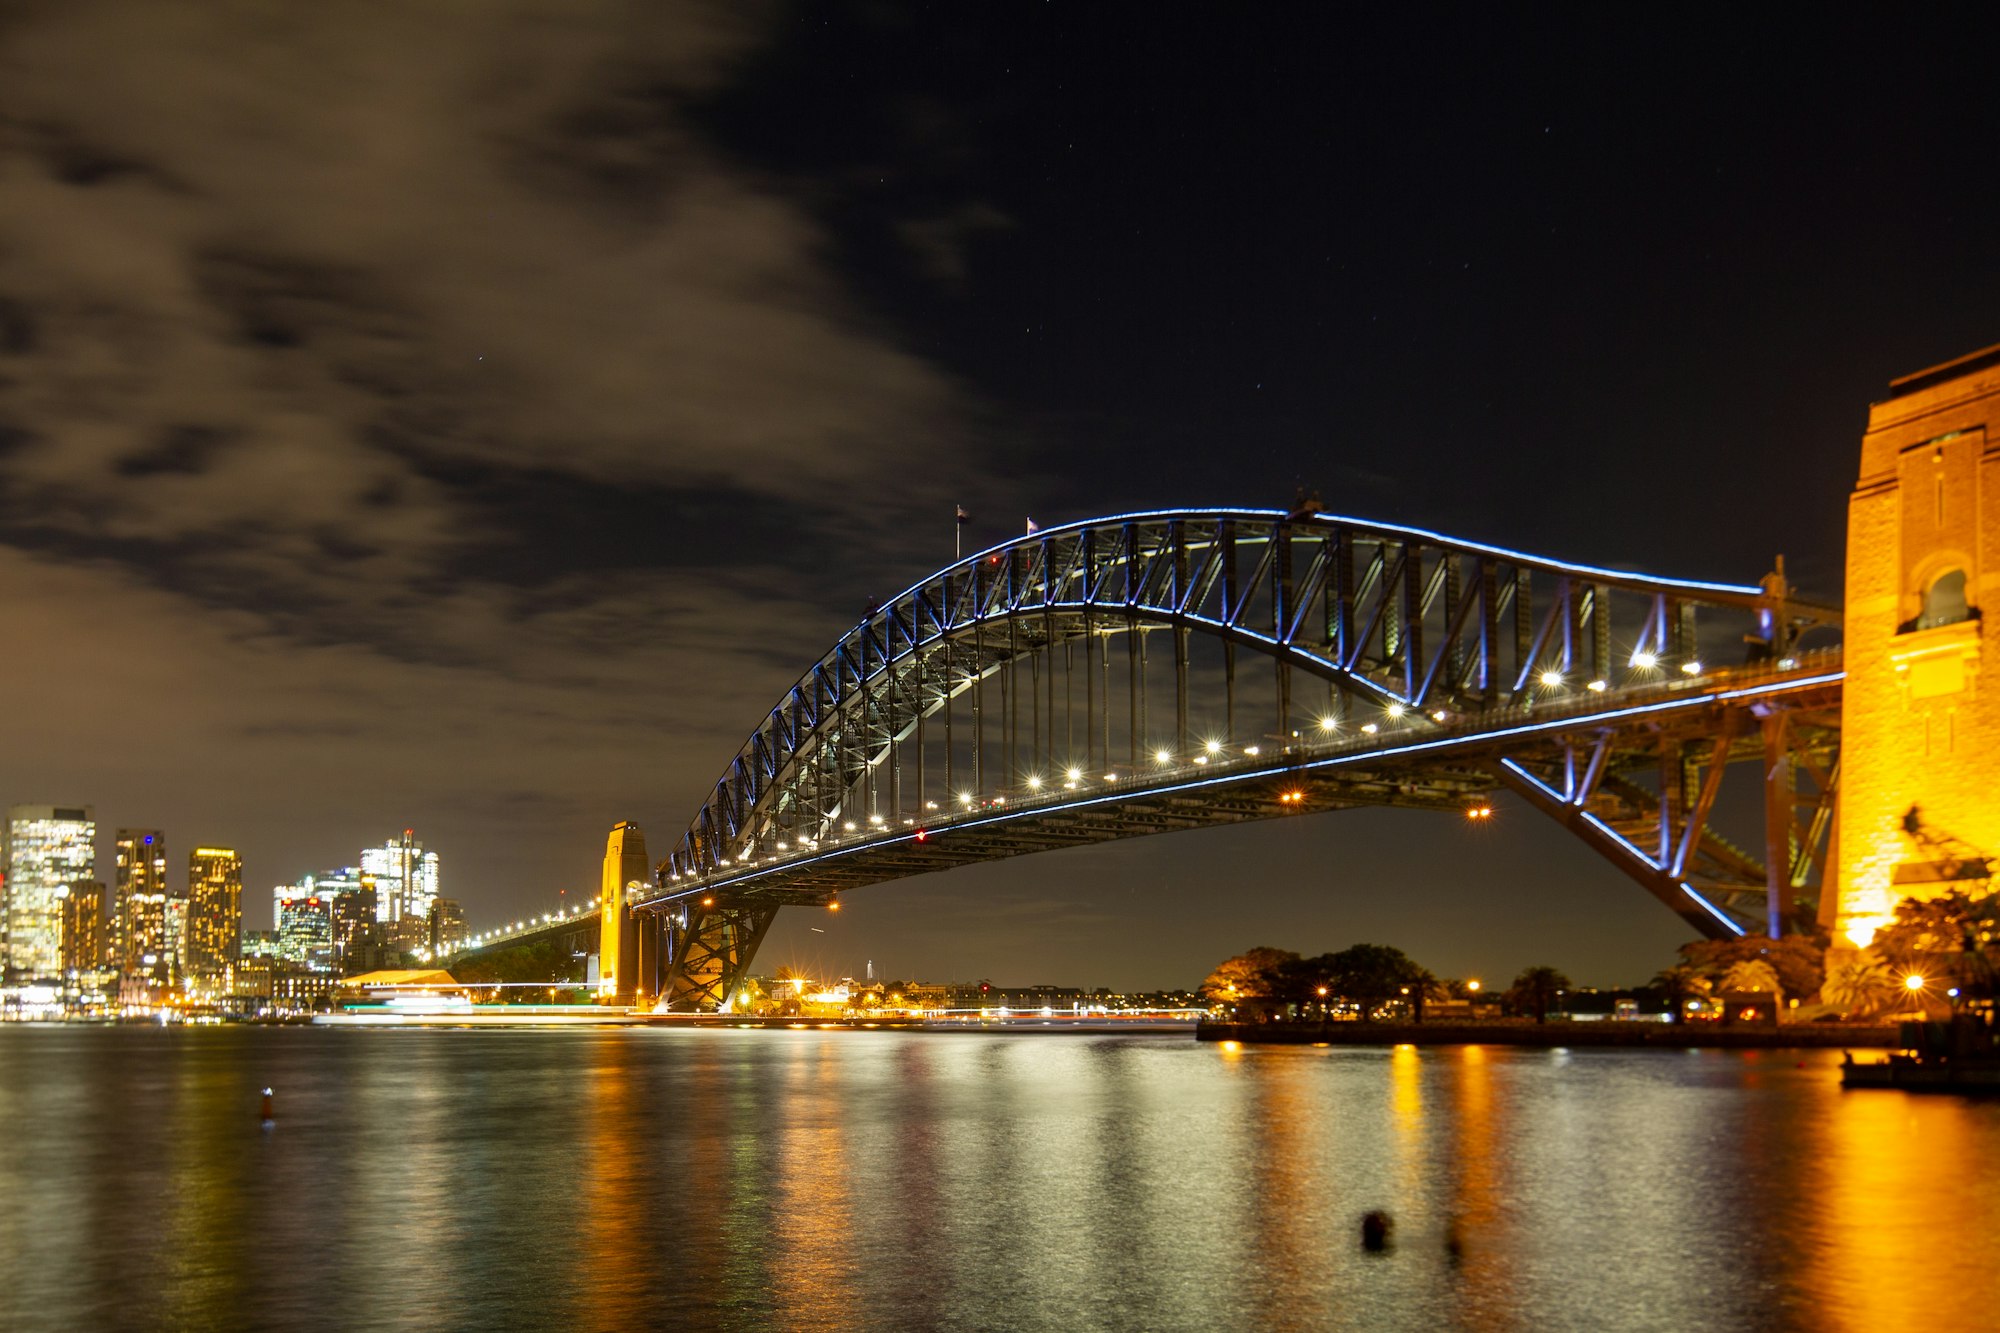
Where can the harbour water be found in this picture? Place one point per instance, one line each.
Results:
(619, 1179)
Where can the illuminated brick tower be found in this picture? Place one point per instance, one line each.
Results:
(1920, 720)
(618, 954)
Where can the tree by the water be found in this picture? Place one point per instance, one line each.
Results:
(1535, 991)
(1249, 982)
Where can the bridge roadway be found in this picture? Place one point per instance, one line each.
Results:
(1539, 750)
(1572, 757)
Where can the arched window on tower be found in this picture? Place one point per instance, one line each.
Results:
(1944, 601)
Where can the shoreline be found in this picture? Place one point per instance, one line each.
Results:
(1609, 1033)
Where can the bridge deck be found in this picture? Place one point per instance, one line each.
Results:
(1426, 766)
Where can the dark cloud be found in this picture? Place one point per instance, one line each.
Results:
(418, 398)
(182, 448)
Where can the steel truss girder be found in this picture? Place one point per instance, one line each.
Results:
(706, 949)
(1390, 614)
(1661, 836)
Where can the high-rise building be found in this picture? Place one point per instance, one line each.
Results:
(141, 868)
(353, 919)
(406, 878)
(150, 942)
(215, 910)
(447, 925)
(48, 847)
(305, 930)
(83, 948)
(327, 884)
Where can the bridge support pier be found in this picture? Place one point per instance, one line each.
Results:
(647, 943)
(1918, 818)
(705, 948)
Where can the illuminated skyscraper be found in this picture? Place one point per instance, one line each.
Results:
(305, 930)
(83, 948)
(150, 945)
(327, 884)
(142, 868)
(406, 878)
(215, 910)
(48, 847)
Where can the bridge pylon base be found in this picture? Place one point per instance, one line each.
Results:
(705, 950)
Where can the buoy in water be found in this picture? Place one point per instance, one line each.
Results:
(1376, 1227)
(269, 1118)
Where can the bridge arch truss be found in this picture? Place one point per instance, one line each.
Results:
(1078, 682)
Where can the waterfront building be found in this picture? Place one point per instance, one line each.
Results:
(48, 847)
(302, 990)
(83, 948)
(215, 910)
(151, 945)
(141, 856)
(406, 878)
(305, 930)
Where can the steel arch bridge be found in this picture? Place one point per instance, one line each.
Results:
(1265, 664)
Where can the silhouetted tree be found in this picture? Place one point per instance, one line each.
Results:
(1535, 991)
(1371, 975)
(1424, 987)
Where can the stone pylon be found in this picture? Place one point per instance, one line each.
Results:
(625, 867)
(1920, 723)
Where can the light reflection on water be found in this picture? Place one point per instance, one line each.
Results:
(626, 1179)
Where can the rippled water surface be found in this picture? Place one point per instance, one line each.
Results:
(628, 1179)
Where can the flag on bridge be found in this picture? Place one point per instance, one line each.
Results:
(1033, 527)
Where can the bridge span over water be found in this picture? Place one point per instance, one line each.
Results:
(1173, 670)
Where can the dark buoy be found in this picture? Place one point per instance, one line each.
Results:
(269, 1118)
(1376, 1227)
(1454, 1241)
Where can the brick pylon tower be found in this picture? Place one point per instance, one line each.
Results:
(1920, 720)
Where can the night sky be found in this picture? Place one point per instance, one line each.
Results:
(472, 418)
